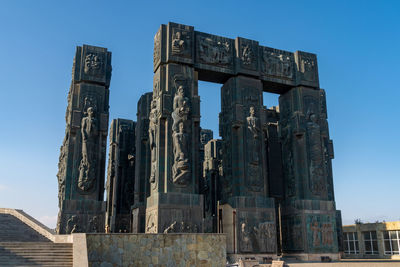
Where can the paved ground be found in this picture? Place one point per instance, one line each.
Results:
(350, 263)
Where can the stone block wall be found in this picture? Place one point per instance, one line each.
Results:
(155, 249)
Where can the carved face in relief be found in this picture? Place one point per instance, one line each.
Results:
(90, 112)
(252, 112)
(93, 63)
(180, 90)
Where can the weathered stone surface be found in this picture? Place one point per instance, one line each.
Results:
(212, 171)
(217, 58)
(156, 250)
(82, 156)
(143, 164)
(121, 175)
(276, 158)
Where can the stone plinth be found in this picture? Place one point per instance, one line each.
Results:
(309, 226)
(249, 223)
(174, 213)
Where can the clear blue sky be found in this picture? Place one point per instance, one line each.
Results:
(357, 43)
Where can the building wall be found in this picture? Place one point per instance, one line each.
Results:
(155, 249)
(381, 230)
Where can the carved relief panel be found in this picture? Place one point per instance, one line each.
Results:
(277, 65)
(92, 64)
(214, 53)
(240, 124)
(321, 233)
(306, 146)
(307, 69)
(180, 43)
(247, 56)
(256, 232)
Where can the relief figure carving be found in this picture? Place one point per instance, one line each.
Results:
(308, 69)
(93, 64)
(253, 140)
(315, 233)
(72, 225)
(181, 166)
(327, 234)
(316, 157)
(87, 167)
(253, 145)
(152, 140)
(277, 64)
(180, 43)
(181, 227)
(214, 52)
(265, 235)
(246, 244)
(247, 55)
(157, 47)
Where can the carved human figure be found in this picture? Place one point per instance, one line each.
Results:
(315, 233)
(180, 107)
(151, 224)
(327, 234)
(181, 167)
(214, 52)
(178, 44)
(72, 225)
(264, 234)
(87, 168)
(94, 225)
(253, 140)
(152, 139)
(173, 228)
(316, 155)
(245, 238)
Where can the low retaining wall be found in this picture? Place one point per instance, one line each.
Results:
(149, 250)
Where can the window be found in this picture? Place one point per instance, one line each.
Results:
(392, 242)
(351, 243)
(370, 243)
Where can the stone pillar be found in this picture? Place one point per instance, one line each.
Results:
(174, 204)
(309, 215)
(212, 171)
(274, 154)
(248, 214)
(143, 163)
(121, 175)
(205, 136)
(82, 158)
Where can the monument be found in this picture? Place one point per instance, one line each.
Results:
(267, 183)
(81, 164)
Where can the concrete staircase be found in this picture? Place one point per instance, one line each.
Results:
(14, 230)
(26, 242)
(35, 254)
